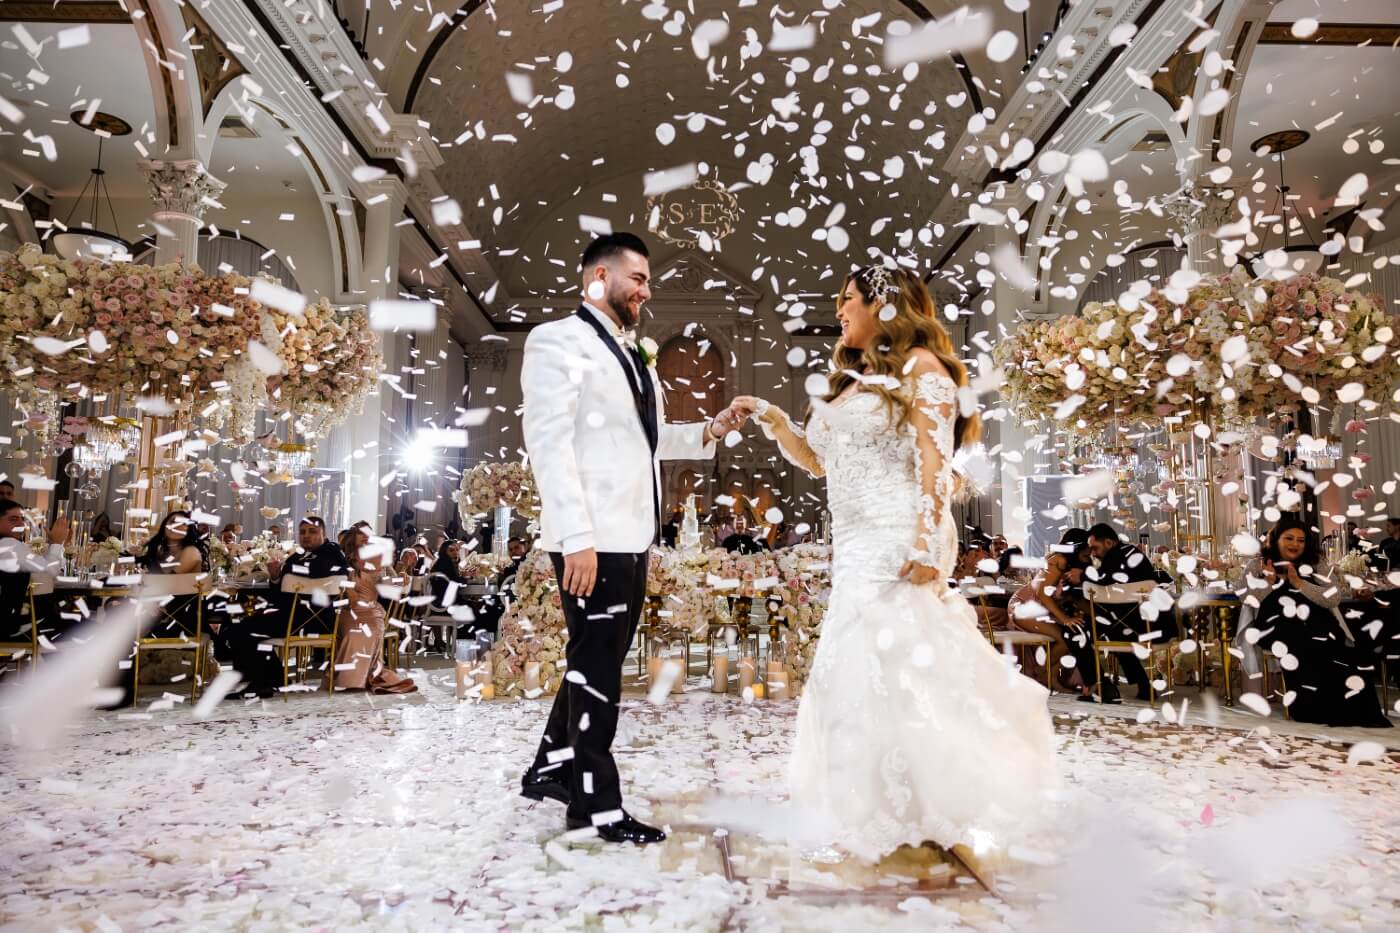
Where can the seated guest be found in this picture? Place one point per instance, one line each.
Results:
(1119, 563)
(670, 532)
(1299, 612)
(360, 649)
(101, 529)
(1004, 562)
(316, 556)
(741, 542)
(176, 547)
(408, 564)
(978, 550)
(7, 491)
(274, 532)
(19, 566)
(447, 577)
(1049, 605)
(228, 537)
(1386, 555)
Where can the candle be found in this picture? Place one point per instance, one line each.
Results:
(678, 685)
(488, 691)
(746, 672)
(465, 678)
(777, 681)
(653, 669)
(758, 691)
(532, 676)
(721, 674)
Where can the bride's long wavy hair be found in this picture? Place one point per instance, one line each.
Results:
(913, 324)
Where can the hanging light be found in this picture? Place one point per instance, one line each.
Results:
(1292, 258)
(106, 443)
(86, 241)
(290, 461)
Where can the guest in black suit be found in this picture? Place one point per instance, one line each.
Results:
(18, 566)
(1118, 563)
(741, 542)
(241, 640)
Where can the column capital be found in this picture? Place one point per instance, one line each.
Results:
(182, 188)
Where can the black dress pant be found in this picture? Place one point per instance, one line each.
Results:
(1119, 623)
(601, 628)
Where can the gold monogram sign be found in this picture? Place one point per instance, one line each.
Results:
(681, 216)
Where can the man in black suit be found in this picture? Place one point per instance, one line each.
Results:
(1118, 563)
(242, 641)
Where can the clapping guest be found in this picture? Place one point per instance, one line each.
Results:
(1332, 684)
(409, 564)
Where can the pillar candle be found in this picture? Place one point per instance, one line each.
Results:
(777, 681)
(678, 685)
(758, 690)
(746, 672)
(488, 691)
(465, 678)
(653, 669)
(532, 676)
(721, 673)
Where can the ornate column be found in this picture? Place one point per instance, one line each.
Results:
(182, 191)
(370, 434)
(1211, 210)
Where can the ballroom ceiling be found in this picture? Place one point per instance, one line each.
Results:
(773, 126)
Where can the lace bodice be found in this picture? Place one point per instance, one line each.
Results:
(888, 490)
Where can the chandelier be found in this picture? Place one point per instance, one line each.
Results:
(290, 461)
(1295, 258)
(1319, 453)
(87, 241)
(106, 443)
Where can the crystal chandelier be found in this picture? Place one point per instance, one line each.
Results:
(106, 443)
(290, 461)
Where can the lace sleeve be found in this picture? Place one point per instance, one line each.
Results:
(932, 415)
(792, 443)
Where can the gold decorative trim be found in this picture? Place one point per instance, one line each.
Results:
(214, 64)
(1176, 79)
(1375, 34)
(72, 11)
(1235, 52)
(172, 118)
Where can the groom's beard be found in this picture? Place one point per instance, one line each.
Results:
(617, 301)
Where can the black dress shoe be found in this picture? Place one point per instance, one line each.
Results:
(538, 787)
(624, 830)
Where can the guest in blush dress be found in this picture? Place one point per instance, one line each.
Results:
(359, 652)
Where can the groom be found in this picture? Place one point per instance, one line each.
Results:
(595, 432)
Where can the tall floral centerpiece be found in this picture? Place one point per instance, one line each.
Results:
(501, 488)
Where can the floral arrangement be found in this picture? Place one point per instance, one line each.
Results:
(477, 565)
(1231, 341)
(691, 585)
(532, 631)
(71, 328)
(332, 362)
(489, 485)
(106, 552)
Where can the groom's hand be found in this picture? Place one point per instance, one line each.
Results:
(580, 572)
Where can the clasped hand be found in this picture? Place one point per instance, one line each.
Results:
(732, 418)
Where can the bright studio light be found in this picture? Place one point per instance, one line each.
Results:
(419, 454)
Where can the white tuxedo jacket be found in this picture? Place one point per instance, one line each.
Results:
(593, 464)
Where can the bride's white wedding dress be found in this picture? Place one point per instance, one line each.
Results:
(912, 727)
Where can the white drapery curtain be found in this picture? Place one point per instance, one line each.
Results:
(1155, 264)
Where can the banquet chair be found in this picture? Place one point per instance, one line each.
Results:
(303, 617)
(1017, 640)
(172, 595)
(1120, 594)
(21, 648)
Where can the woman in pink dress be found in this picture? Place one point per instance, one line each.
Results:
(360, 651)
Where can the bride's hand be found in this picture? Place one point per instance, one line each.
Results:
(745, 405)
(918, 574)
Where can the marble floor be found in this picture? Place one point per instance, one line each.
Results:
(352, 812)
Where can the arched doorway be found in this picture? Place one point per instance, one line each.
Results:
(692, 377)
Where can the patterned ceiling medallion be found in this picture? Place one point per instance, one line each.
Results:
(683, 216)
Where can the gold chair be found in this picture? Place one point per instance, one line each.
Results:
(19, 648)
(172, 594)
(1016, 639)
(1126, 594)
(304, 613)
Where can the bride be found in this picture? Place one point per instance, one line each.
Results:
(912, 727)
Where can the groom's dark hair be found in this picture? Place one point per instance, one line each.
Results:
(1103, 531)
(606, 248)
